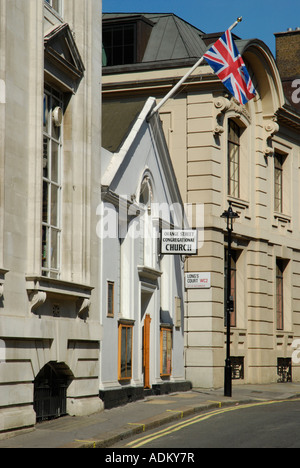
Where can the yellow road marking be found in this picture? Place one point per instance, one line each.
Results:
(214, 401)
(87, 442)
(138, 424)
(179, 426)
(174, 411)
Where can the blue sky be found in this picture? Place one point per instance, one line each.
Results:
(261, 18)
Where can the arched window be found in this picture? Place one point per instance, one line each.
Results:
(146, 193)
(146, 199)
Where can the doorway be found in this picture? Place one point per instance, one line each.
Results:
(50, 391)
(146, 353)
(145, 301)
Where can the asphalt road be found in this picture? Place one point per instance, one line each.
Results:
(262, 425)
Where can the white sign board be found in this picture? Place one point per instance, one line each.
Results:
(198, 280)
(179, 242)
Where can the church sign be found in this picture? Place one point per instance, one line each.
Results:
(179, 242)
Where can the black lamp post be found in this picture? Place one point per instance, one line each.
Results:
(230, 217)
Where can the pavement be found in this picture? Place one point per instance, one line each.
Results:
(109, 427)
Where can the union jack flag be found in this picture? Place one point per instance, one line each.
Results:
(227, 63)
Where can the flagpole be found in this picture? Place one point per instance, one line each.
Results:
(184, 78)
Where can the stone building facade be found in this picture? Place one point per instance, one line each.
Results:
(50, 170)
(223, 152)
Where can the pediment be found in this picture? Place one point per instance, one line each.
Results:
(63, 63)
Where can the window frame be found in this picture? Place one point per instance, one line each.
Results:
(279, 160)
(166, 351)
(110, 299)
(280, 267)
(50, 266)
(59, 8)
(234, 159)
(128, 365)
(112, 49)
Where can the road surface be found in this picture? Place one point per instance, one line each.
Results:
(259, 425)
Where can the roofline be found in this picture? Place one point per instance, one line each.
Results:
(118, 157)
(127, 14)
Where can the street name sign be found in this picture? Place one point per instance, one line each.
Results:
(198, 280)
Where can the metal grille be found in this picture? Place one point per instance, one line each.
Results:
(50, 393)
(237, 368)
(284, 370)
(49, 404)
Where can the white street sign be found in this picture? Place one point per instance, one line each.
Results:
(179, 242)
(198, 280)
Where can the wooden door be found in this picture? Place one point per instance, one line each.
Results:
(147, 323)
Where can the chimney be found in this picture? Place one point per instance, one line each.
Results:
(288, 53)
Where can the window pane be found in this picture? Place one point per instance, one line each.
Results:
(117, 37)
(279, 294)
(128, 352)
(117, 55)
(129, 35)
(233, 159)
(45, 236)
(110, 299)
(169, 352)
(46, 158)
(54, 249)
(56, 5)
(51, 183)
(55, 162)
(123, 353)
(166, 352)
(45, 202)
(278, 183)
(119, 44)
(128, 55)
(54, 206)
(234, 132)
(46, 112)
(233, 170)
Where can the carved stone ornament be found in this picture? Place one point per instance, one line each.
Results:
(269, 152)
(83, 307)
(36, 300)
(218, 130)
(271, 127)
(223, 104)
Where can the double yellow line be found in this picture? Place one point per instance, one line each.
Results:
(197, 419)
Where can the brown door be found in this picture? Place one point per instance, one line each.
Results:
(147, 323)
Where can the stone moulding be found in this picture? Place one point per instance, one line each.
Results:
(38, 288)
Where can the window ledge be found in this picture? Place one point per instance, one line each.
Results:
(38, 287)
(282, 218)
(239, 203)
(128, 322)
(66, 288)
(147, 273)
